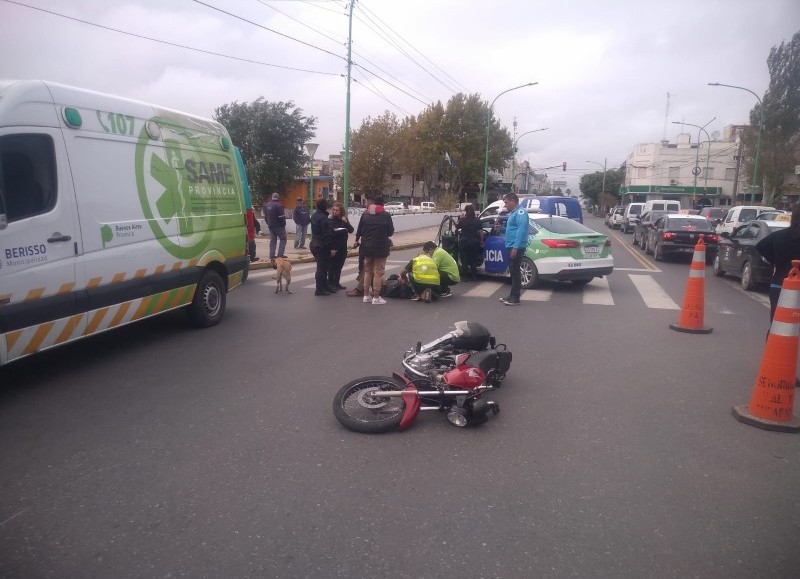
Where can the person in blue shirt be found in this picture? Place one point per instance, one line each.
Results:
(516, 243)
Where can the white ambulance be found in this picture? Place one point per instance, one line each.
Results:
(111, 211)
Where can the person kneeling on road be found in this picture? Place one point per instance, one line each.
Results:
(423, 276)
(447, 266)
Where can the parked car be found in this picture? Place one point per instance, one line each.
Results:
(645, 224)
(739, 215)
(558, 205)
(615, 217)
(559, 249)
(547, 204)
(774, 215)
(737, 253)
(715, 215)
(394, 208)
(631, 217)
(678, 234)
(662, 205)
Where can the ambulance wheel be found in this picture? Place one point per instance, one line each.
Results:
(529, 274)
(208, 304)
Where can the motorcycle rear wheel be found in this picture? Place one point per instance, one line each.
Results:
(357, 410)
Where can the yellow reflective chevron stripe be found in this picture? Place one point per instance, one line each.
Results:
(42, 336)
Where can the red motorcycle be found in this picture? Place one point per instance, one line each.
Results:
(449, 375)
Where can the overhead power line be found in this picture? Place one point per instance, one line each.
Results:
(415, 49)
(232, 15)
(174, 44)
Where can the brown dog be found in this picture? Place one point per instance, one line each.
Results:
(283, 272)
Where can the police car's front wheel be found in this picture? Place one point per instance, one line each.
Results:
(530, 275)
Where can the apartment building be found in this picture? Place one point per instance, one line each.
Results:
(704, 173)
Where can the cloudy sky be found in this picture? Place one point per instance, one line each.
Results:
(604, 68)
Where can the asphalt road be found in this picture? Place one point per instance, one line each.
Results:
(162, 451)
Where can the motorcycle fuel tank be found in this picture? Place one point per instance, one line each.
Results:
(463, 376)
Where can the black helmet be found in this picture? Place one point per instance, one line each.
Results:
(471, 336)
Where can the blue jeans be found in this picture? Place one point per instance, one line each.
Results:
(300, 235)
(276, 233)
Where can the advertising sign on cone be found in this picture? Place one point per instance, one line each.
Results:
(694, 301)
(772, 404)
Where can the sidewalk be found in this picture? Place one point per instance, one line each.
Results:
(413, 238)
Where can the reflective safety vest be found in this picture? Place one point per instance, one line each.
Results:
(424, 270)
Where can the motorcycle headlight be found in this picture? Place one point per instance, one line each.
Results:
(457, 416)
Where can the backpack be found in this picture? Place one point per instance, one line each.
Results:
(394, 288)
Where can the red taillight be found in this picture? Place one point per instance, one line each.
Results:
(667, 235)
(711, 238)
(561, 243)
(607, 243)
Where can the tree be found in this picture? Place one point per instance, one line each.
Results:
(270, 136)
(458, 129)
(780, 139)
(373, 152)
(420, 145)
(591, 186)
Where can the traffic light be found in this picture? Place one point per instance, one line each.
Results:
(564, 166)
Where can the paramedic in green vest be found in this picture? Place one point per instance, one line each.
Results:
(447, 266)
(423, 275)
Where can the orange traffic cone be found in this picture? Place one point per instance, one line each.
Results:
(772, 404)
(693, 302)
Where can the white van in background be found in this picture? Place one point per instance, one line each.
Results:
(631, 216)
(661, 205)
(739, 215)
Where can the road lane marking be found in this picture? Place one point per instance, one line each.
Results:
(484, 289)
(630, 248)
(536, 295)
(653, 294)
(598, 293)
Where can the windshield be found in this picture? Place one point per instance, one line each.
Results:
(559, 225)
(635, 210)
(687, 223)
(748, 214)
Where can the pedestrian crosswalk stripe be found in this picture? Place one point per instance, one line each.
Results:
(652, 293)
(482, 290)
(598, 293)
(536, 295)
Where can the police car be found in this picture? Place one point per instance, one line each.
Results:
(559, 249)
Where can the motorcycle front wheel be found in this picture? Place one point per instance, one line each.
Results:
(357, 409)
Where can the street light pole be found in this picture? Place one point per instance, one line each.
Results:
(312, 149)
(488, 121)
(696, 170)
(514, 151)
(605, 160)
(758, 143)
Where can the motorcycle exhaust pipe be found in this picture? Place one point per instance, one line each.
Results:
(423, 393)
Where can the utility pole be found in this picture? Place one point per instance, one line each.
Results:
(346, 172)
(736, 173)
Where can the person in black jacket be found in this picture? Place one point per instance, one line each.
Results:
(322, 247)
(779, 249)
(469, 242)
(341, 229)
(374, 230)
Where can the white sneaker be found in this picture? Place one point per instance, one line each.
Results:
(379, 301)
(366, 299)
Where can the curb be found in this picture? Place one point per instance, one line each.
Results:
(264, 263)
